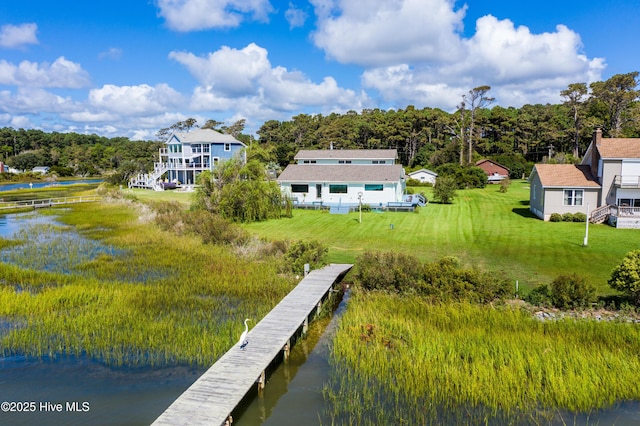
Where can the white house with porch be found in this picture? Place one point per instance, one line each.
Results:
(187, 154)
(344, 178)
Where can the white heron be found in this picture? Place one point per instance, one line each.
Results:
(243, 342)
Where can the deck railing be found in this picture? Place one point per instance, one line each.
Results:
(627, 211)
(627, 181)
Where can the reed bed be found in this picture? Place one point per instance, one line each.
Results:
(125, 293)
(401, 360)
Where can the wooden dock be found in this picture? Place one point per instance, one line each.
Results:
(47, 202)
(213, 397)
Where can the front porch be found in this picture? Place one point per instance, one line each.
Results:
(617, 216)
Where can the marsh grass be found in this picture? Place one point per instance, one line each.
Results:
(152, 298)
(399, 357)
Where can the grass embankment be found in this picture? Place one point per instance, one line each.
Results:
(483, 227)
(400, 360)
(157, 299)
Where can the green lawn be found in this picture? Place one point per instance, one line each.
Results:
(483, 227)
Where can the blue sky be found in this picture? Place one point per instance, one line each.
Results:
(131, 67)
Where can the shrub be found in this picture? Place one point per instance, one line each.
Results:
(446, 280)
(392, 271)
(445, 189)
(555, 217)
(504, 185)
(567, 217)
(626, 276)
(301, 252)
(539, 296)
(214, 229)
(571, 292)
(579, 217)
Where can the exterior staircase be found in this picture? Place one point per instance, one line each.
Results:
(601, 214)
(149, 180)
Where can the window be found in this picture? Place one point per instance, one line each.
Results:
(196, 148)
(378, 162)
(309, 161)
(373, 187)
(205, 147)
(227, 147)
(344, 161)
(299, 188)
(573, 197)
(337, 189)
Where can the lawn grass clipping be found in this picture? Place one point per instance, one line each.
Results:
(163, 300)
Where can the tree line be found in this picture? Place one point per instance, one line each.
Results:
(427, 137)
(432, 137)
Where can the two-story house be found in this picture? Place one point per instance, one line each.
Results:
(187, 154)
(607, 182)
(344, 177)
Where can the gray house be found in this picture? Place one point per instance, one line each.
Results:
(608, 180)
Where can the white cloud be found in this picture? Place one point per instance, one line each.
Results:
(113, 53)
(414, 53)
(505, 54)
(245, 79)
(14, 36)
(388, 32)
(33, 101)
(61, 74)
(134, 100)
(294, 16)
(193, 15)
(231, 72)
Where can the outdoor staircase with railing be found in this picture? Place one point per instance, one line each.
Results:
(601, 214)
(149, 180)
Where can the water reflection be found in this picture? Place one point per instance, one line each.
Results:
(293, 394)
(102, 395)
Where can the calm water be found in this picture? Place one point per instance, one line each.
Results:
(99, 395)
(36, 185)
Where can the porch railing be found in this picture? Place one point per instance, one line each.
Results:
(627, 211)
(627, 181)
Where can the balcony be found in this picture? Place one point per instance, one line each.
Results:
(627, 181)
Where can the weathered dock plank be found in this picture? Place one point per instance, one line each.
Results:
(214, 396)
